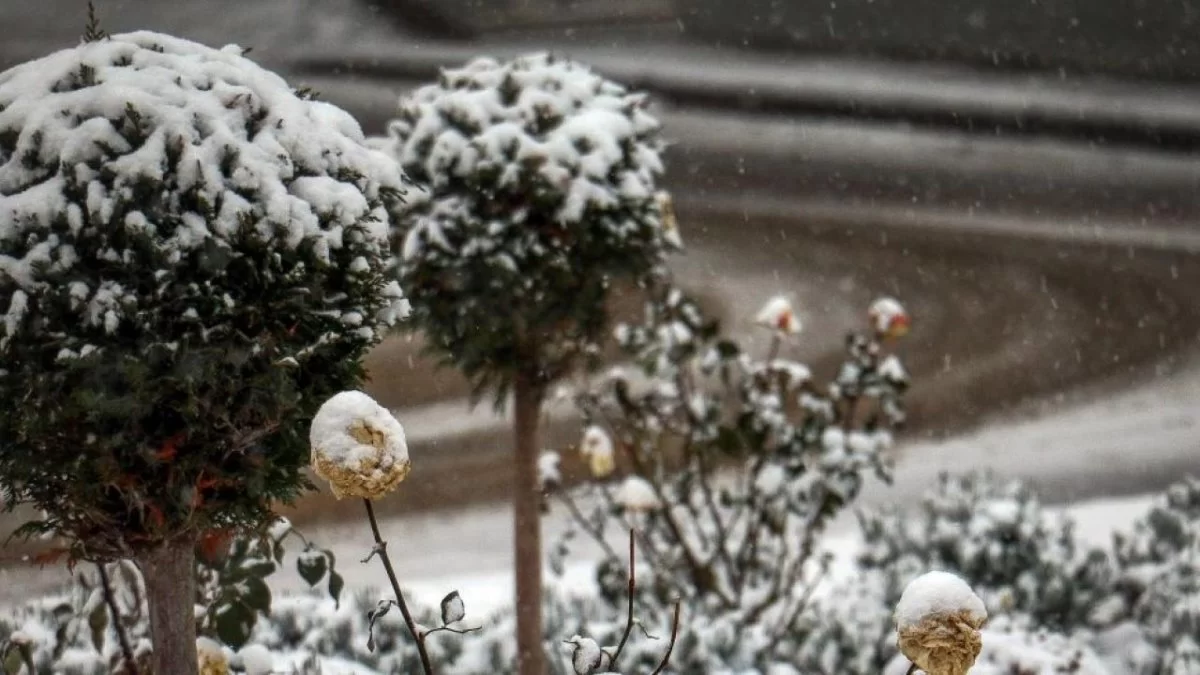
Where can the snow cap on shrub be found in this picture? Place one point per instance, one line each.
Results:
(637, 495)
(256, 660)
(358, 446)
(938, 619)
(192, 256)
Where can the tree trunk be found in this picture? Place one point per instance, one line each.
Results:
(169, 573)
(527, 530)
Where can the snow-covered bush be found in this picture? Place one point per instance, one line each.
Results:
(541, 196)
(73, 633)
(739, 463)
(192, 258)
(1024, 652)
(1160, 582)
(1026, 564)
(997, 536)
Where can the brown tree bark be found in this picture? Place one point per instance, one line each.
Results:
(170, 577)
(527, 530)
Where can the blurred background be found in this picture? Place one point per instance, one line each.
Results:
(1023, 175)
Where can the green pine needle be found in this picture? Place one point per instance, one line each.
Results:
(92, 32)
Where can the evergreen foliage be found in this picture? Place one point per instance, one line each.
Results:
(540, 181)
(192, 259)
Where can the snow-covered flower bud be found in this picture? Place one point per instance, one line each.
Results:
(778, 315)
(597, 448)
(938, 620)
(636, 495)
(586, 655)
(211, 657)
(888, 318)
(549, 475)
(358, 446)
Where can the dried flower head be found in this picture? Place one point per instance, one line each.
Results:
(938, 620)
(358, 446)
(211, 658)
(597, 448)
(778, 315)
(670, 225)
(889, 318)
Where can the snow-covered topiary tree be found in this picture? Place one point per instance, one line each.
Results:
(736, 462)
(542, 197)
(192, 258)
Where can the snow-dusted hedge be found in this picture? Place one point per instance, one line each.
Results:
(192, 257)
(996, 534)
(1026, 564)
(849, 630)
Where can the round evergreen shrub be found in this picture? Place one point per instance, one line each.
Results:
(193, 257)
(541, 180)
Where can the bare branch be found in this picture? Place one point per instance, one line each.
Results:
(670, 645)
(115, 615)
(381, 550)
(448, 629)
(629, 614)
(595, 533)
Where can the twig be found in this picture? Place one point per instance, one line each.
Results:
(381, 549)
(115, 615)
(670, 645)
(629, 615)
(596, 535)
(700, 571)
(912, 669)
(802, 601)
(773, 351)
(448, 629)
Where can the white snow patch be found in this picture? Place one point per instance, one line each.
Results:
(937, 594)
(330, 431)
(636, 494)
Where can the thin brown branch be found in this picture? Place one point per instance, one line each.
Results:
(701, 574)
(647, 548)
(629, 613)
(115, 616)
(381, 549)
(662, 665)
(912, 669)
(593, 532)
(802, 602)
(448, 629)
(777, 584)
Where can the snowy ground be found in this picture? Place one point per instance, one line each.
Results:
(483, 576)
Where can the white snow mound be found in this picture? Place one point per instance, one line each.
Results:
(331, 432)
(937, 594)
